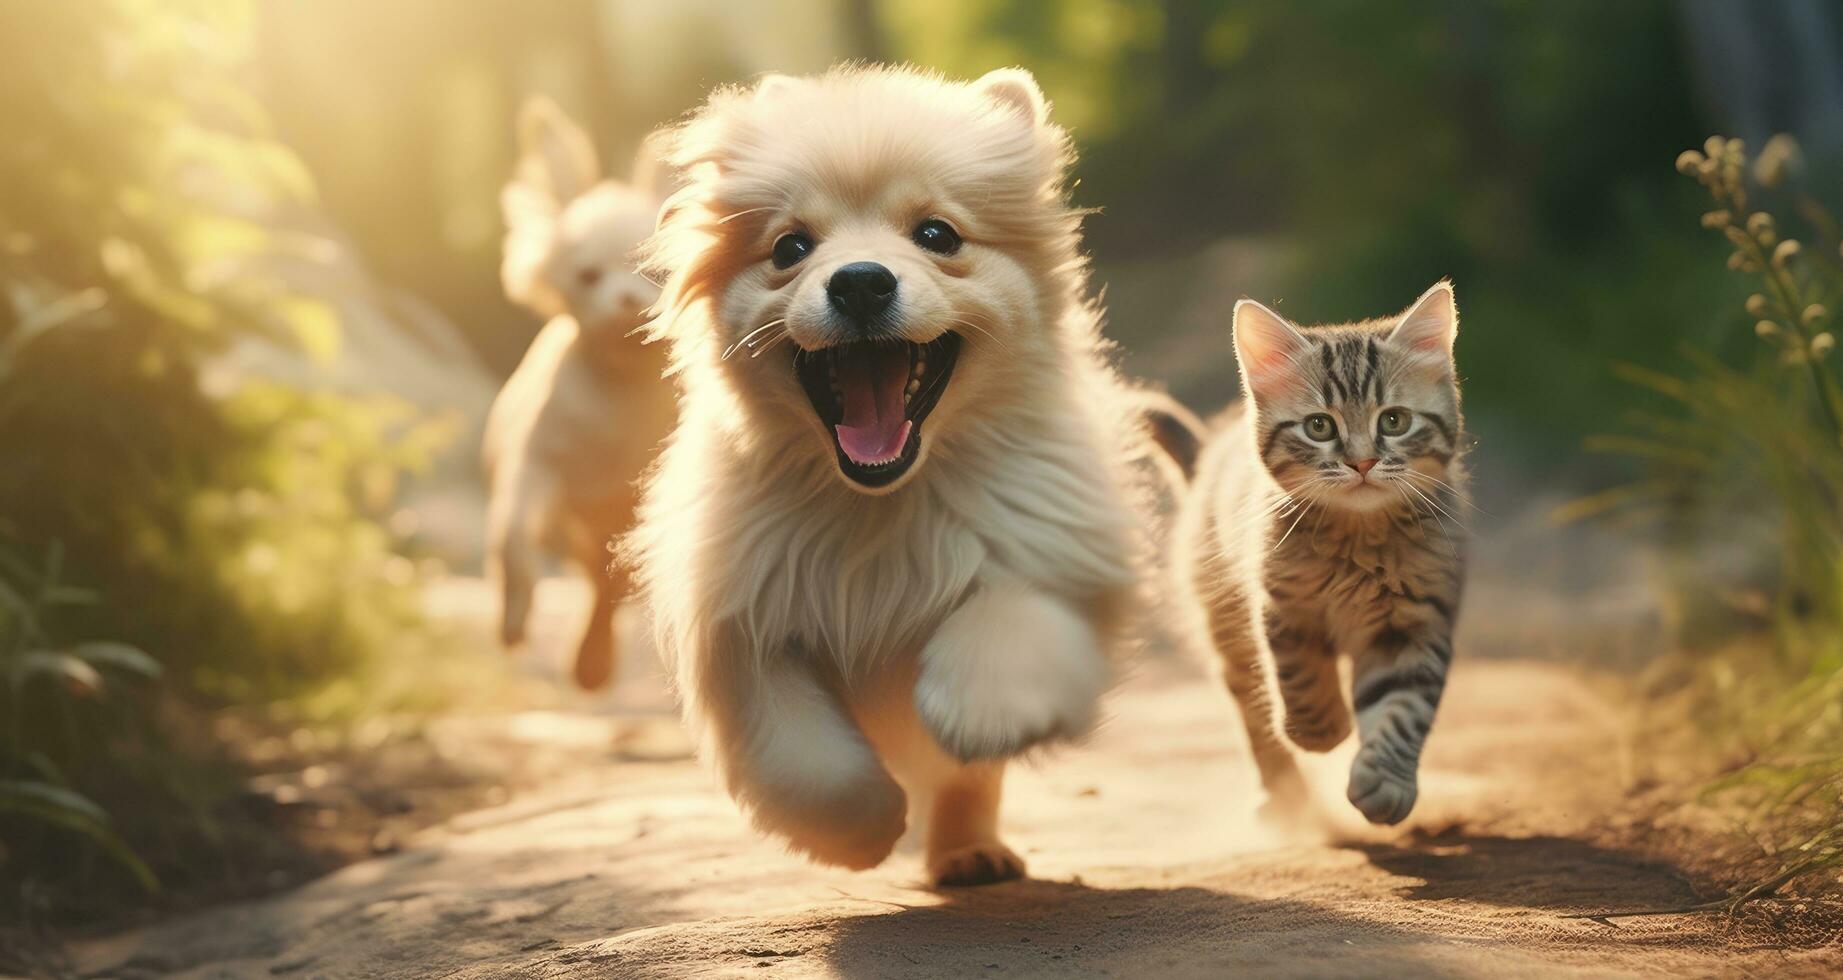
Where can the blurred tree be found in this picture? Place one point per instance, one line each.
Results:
(1769, 67)
(1369, 148)
(135, 178)
(863, 31)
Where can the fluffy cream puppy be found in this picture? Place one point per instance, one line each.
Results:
(893, 540)
(582, 416)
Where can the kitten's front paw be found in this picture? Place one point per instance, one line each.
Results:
(1319, 731)
(1008, 671)
(976, 864)
(1381, 795)
(1288, 803)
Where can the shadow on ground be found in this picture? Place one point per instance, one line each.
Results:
(1559, 874)
(1027, 928)
(1071, 929)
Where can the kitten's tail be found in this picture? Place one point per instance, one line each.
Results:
(1176, 430)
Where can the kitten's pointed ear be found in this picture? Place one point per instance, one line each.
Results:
(1267, 347)
(1429, 326)
(1016, 90)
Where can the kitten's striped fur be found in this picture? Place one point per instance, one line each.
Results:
(1286, 543)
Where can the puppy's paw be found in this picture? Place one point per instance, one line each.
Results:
(856, 831)
(1008, 671)
(984, 863)
(975, 726)
(1381, 794)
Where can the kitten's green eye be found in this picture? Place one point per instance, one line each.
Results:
(1394, 421)
(1320, 427)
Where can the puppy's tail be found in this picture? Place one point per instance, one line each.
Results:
(1175, 430)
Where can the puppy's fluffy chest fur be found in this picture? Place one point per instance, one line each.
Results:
(1023, 497)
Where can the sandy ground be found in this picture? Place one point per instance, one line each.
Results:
(1146, 855)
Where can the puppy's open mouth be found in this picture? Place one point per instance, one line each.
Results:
(874, 396)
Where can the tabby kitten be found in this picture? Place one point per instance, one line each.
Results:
(1324, 521)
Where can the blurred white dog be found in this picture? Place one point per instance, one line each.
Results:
(580, 419)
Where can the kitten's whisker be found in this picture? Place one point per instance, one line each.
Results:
(1283, 502)
(1280, 500)
(1414, 511)
(1289, 530)
(1437, 510)
(1282, 506)
(1449, 488)
(1432, 502)
(1420, 518)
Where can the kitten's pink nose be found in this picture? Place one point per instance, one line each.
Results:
(1363, 466)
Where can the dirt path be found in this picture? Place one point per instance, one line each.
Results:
(1146, 856)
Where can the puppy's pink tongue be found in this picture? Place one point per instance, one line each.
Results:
(871, 380)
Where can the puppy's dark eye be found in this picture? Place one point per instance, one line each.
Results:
(1320, 427)
(589, 276)
(790, 248)
(937, 236)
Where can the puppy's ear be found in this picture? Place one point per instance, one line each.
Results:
(1427, 330)
(1268, 349)
(1016, 90)
(555, 154)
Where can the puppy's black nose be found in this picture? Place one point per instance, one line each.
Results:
(861, 290)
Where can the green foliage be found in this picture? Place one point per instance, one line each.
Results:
(1380, 147)
(234, 529)
(210, 517)
(61, 706)
(1760, 444)
(1744, 472)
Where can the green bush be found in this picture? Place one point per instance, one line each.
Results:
(62, 707)
(1745, 477)
(232, 528)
